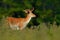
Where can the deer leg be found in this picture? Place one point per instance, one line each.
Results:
(21, 28)
(11, 26)
(14, 27)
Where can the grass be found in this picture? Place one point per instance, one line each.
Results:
(28, 34)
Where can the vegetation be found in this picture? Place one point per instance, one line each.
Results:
(47, 11)
(43, 33)
(46, 22)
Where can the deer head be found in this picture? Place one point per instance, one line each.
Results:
(29, 12)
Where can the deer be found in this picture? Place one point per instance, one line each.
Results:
(21, 23)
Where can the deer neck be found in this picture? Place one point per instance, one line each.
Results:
(28, 18)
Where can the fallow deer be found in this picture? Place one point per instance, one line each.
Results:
(20, 23)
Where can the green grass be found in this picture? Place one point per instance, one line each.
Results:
(27, 34)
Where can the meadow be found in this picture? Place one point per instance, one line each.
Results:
(47, 11)
(42, 33)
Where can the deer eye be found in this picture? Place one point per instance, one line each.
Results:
(28, 12)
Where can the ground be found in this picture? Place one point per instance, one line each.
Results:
(28, 34)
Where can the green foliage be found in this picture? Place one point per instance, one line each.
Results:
(46, 11)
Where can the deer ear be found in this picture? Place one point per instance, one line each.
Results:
(32, 9)
(25, 11)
